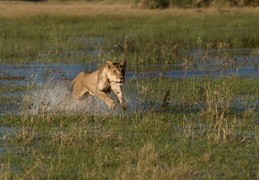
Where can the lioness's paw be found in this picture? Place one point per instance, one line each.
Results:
(112, 106)
(124, 107)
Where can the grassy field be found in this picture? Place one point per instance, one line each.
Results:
(193, 128)
(67, 32)
(205, 136)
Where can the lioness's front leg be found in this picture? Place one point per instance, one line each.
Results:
(116, 88)
(110, 103)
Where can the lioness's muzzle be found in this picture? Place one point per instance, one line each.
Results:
(121, 80)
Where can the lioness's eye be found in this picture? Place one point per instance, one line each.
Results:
(115, 72)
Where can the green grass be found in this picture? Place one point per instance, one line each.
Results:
(12, 88)
(141, 39)
(191, 89)
(142, 146)
(212, 141)
(6, 92)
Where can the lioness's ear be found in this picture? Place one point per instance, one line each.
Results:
(124, 63)
(109, 64)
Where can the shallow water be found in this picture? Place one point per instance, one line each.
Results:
(52, 92)
(56, 98)
(244, 66)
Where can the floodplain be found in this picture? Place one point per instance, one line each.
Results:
(192, 89)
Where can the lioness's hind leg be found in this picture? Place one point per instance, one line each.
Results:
(78, 92)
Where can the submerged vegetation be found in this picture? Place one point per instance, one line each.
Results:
(203, 127)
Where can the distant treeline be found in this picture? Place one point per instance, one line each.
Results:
(197, 3)
(160, 4)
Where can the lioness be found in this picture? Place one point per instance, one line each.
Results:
(108, 78)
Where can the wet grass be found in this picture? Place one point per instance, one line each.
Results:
(150, 145)
(189, 89)
(8, 93)
(13, 88)
(205, 136)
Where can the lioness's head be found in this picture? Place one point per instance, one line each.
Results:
(116, 71)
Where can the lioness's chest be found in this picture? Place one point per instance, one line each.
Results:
(105, 87)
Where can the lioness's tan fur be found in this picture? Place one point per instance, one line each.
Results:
(108, 78)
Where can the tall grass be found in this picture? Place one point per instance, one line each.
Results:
(201, 134)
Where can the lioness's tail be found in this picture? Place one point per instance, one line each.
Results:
(72, 82)
(65, 79)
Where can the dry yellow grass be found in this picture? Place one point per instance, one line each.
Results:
(19, 9)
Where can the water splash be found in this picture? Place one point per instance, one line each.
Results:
(55, 98)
